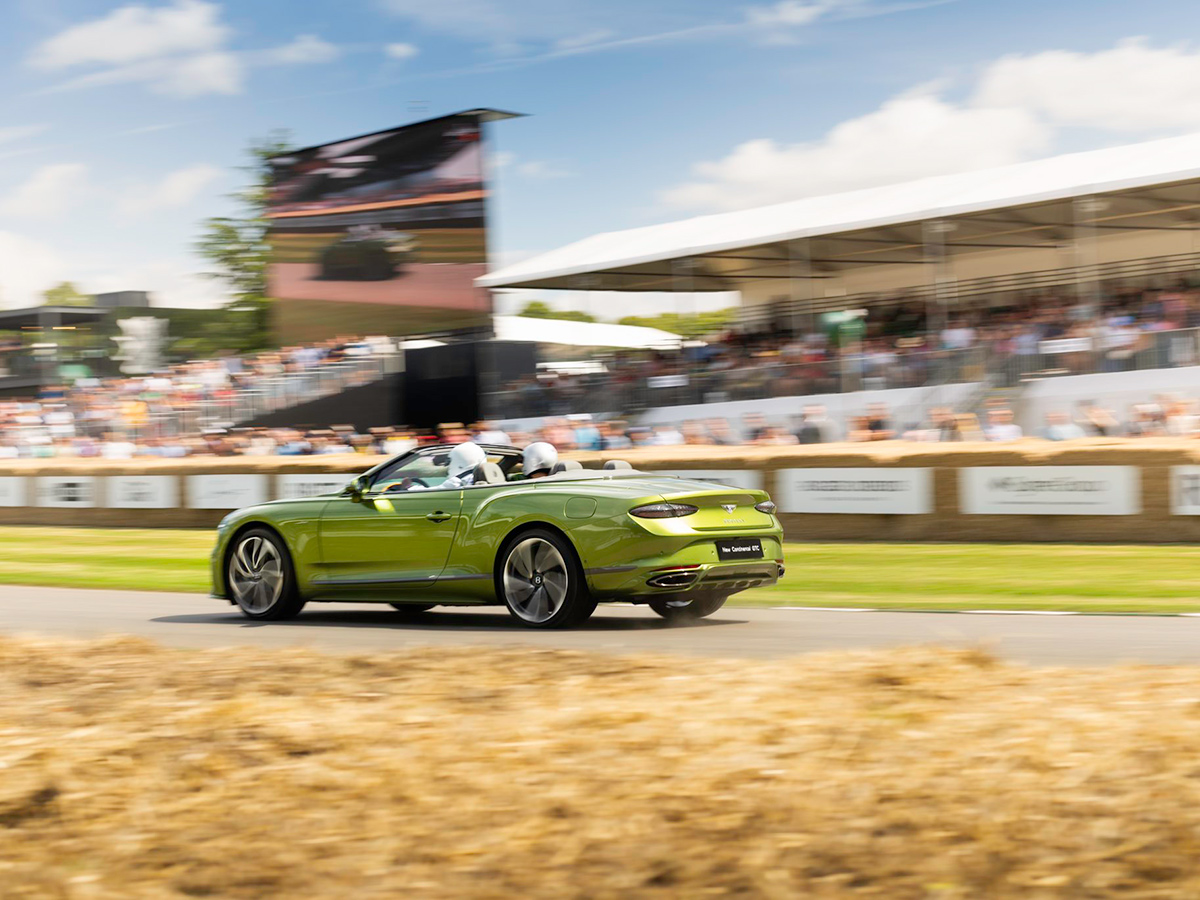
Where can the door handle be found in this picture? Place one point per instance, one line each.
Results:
(438, 516)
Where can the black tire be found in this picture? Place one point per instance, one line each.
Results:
(249, 593)
(411, 610)
(553, 592)
(676, 610)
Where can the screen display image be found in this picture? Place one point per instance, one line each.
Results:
(383, 233)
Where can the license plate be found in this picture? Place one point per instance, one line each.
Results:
(739, 548)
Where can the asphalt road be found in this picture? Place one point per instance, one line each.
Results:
(189, 620)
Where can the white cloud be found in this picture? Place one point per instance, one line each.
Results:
(175, 189)
(1017, 109)
(401, 51)
(306, 49)
(11, 133)
(910, 136)
(575, 41)
(539, 168)
(27, 268)
(1132, 87)
(49, 192)
(135, 33)
(171, 282)
(791, 13)
(180, 50)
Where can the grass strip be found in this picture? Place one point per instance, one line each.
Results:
(1085, 578)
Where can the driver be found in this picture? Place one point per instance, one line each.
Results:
(464, 459)
(538, 460)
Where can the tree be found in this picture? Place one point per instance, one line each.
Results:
(691, 326)
(536, 309)
(238, 250)
(66, 294)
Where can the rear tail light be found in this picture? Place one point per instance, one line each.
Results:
(663, 510)
(765, 507)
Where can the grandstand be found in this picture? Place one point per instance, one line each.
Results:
(1082, 232)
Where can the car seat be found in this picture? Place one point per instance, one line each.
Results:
(488, 473)
(566, 465)
(614, 464)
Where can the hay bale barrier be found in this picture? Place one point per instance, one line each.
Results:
(127, 770)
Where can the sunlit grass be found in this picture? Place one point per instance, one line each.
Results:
(1097, 578)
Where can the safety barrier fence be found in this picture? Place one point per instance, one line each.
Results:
(1145, 491)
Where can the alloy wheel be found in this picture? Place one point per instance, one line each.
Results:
(535, 580)
(256, 574)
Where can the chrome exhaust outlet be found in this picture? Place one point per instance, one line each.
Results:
(672, 580)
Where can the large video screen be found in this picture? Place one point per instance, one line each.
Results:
(383, 233)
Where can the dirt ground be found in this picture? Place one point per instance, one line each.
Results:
(127, 770)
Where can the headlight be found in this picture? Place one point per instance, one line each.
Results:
(766, 507)
(663, 510)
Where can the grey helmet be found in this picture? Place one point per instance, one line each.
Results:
(538, 457)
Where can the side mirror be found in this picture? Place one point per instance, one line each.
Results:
(357, 488)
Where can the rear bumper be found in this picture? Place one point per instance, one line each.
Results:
(693, 568)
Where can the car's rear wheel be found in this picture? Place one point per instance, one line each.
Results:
(260, 577)
(688, 607)
(540, 580)
(411, 610)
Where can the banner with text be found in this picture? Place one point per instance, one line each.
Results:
(903, 492)
(1050, 491)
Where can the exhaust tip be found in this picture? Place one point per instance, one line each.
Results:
(672, 579)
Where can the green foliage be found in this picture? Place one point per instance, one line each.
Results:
(536, 309)
(236, 247)
(692, 326)
(66, 294)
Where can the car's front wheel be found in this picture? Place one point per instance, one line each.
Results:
(260, 577)
(688, 607)
(540, 580)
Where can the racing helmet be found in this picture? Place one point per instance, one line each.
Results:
(464, 458)
(538, 457)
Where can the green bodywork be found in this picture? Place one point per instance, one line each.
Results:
(441, 545)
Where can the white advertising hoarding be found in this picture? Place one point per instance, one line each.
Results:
(226, 491)
(1185, 490)
(297, 485)
(12, 490)
(897, 492)
(66, 491)
(1050, 491)
(747, 479)
(142, 491)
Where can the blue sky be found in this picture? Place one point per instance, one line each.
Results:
(121, 123)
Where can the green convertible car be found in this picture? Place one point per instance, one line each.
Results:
(547, 548)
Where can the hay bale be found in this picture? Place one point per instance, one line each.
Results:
(133, 771)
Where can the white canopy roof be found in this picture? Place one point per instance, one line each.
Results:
(1077, 174)
(581, 334)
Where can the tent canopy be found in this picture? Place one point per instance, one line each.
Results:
(1152, 187)
(582, 334)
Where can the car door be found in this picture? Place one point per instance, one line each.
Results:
(391, 535)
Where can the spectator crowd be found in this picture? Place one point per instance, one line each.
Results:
(190, 409)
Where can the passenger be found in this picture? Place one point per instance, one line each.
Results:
(538, 460)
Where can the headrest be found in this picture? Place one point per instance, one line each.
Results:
(617, 464)
(566, 465)
(488, 473)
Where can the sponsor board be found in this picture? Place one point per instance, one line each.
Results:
(297, 485)
(1050, 491)
(66, 491)
(12, 490)
(747, 479)
(1185, 490)
(900, 492)
(142, 491)
(225, 491)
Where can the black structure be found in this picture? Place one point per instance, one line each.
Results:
(439, 384)
(25, 370)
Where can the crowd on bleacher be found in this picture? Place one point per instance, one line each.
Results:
(177, 412)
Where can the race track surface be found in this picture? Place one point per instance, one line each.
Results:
(189, 620)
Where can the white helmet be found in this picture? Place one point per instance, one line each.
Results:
(538, 457)
(464, 458)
